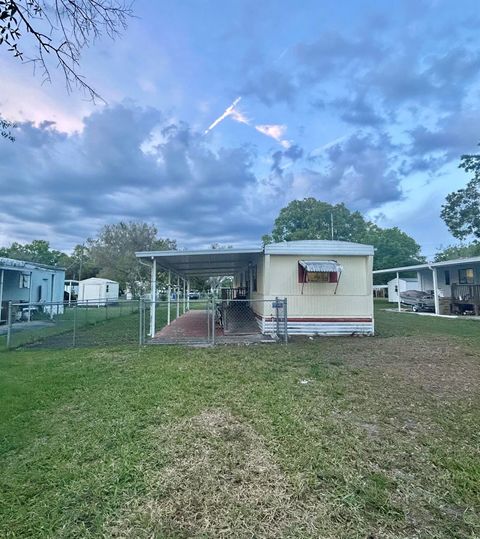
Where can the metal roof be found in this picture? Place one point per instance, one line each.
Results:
(319, 247)
(18, 265)
(444, 263)
(321, 266)
(221, 262)
(205, 262)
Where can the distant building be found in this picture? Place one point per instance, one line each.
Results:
(97, 291)
(29, 282)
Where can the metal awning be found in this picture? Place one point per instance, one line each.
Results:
(204, 263)
(321, 266)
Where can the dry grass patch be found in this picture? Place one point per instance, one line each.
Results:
(221, 482)
(438, 365)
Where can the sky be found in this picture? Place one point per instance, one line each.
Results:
(217, 114)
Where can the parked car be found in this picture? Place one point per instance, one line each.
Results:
(194, 294)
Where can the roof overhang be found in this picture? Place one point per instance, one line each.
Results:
(419, 267)
(204, 263)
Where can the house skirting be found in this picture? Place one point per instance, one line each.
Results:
(320, 326)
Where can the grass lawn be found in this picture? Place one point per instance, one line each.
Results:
(334, 437)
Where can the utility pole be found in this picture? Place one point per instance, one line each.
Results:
(81, 263)
(331, 223)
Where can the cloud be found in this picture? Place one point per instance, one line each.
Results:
(356, 110)
(275, 131)
(360, 171)
(454, 134)
(271, 85)
(292, 153)
(63, 187)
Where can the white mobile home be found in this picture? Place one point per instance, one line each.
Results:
(327, 284)
(97, 291)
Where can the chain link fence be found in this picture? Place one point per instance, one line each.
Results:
(138, 322)
(70, 324)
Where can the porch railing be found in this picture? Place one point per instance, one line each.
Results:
(234, 293)
(466, 293)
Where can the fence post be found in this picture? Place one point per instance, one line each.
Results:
(74, 336)
(277, 321)
(106, 309)
(285, 321)
(140, 322)
(213, 320)
(208, 321)
(9, 323)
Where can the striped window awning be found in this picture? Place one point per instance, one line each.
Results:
(321, 266)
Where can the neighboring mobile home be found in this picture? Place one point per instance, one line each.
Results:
(97, 291)
(29, 282)
(328, 284)
(455, 284)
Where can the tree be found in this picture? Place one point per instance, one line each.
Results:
(114, 252)
(461, 211)
(312, 219)
(458, 251)
(57, 31)
(393, 248)
(37, 251)
(6, 129)
(81, 266)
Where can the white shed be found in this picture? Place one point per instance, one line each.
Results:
(406, 283)
(97, 291)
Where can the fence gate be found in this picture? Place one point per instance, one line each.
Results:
(250, 320)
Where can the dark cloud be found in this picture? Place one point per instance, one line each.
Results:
(453, 135)
(270, 86)
(65, 187)
(361, 171)
(293, 153)
(357, 111)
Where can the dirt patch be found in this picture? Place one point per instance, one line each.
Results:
(438, 365)
(222, 482)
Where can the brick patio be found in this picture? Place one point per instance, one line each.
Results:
(192, 328)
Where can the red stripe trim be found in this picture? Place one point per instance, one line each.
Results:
(269, 319)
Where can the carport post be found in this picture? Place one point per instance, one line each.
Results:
(435, 291)
(169, 294)
(9, 323)
(153, 297)
(188, 295)
(398, 293)
(184, 298)
(1, 292)
(177, 296)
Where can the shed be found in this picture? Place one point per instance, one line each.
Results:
(405, 283)
(30, 283)
(97, 291)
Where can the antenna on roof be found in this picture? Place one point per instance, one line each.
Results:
(331, 222)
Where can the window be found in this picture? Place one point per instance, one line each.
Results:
(24, 280)
(305, 276)
(465, 276)
(108, 288)
(447, 277)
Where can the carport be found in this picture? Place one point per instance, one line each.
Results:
(182, 266)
